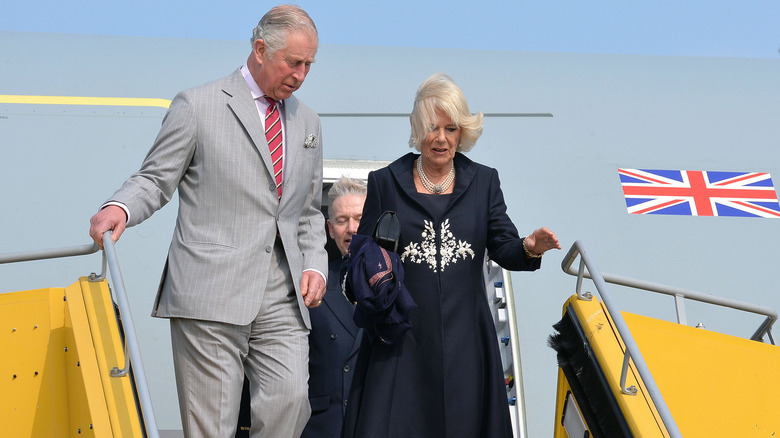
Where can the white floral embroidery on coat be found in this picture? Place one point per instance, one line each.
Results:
(426, 251)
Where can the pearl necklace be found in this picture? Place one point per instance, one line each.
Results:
(435, 188)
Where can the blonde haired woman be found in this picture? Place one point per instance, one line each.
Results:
(444, 377)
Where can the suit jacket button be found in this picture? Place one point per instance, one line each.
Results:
(346, 368)
(334, 336)
(268, 249)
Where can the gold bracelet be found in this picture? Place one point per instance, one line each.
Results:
(529, 253)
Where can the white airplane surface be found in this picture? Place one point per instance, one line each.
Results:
(558, 127)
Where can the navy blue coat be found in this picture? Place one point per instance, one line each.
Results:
(444, 378)
(333, 346)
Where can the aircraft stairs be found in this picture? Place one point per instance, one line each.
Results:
(500, 295)
(71, 365)
(627, 375)
(75, 368)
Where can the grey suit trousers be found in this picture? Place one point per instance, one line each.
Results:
(211, 358)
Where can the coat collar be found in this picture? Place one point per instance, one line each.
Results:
(401, 169)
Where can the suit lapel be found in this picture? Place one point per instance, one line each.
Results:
(293, 130)
(342, 309)
(356, 344)
(244, 107)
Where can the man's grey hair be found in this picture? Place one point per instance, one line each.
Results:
(346, 186)
(276, 23)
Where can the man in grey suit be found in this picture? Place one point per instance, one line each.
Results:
(247, 256)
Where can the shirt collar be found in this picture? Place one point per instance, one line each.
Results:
(253, 87)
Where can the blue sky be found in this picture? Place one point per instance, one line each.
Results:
(747, 28)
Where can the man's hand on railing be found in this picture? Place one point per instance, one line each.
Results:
(112, 218)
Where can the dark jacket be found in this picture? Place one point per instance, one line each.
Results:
(333, 346)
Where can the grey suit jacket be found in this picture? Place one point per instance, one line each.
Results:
(212, 147)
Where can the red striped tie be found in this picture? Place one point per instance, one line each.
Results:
(273, 133)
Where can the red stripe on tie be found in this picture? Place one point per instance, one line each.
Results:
(273, 134)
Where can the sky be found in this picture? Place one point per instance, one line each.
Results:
(710, 28)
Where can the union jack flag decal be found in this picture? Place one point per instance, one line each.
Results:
(699, 193)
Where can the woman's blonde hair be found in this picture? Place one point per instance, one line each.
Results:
(439, 92)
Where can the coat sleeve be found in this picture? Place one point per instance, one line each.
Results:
(504, 244)
(373, 207)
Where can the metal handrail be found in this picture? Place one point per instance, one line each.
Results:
(765, 328)
(48, 253)
(628, 340)
(142, 387)
(514, 341)
(131, 342)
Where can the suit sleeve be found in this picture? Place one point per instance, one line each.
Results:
(149, 189)
(311, 225)
(504, 244)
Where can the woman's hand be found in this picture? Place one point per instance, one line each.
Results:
(541, 241)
